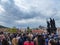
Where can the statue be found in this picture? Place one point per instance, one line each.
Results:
(53, 23)
(48, 27)
(51, 28)
(48, 24)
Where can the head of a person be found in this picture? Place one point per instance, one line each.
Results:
(1, 33)
(47, 36)
(29, 39)
(53, 42)
(52, 34)
(19, 35)
(40, 36)
(15, 35)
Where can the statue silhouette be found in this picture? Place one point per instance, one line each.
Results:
(51, 22)
(51, 27)
(54, 23)
(48, 27)
(48, 24)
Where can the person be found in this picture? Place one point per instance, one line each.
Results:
(21, 40)
(7, 36)
(39, 40)
(29, 42)
(46, 40)
(5, 42)
(53, 42)
(14, 41)
(2, 37)
(0, 42)
(30, 35)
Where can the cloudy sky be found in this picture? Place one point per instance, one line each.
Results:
(32, 13)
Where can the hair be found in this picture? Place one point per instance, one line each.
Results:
(19, 34)
(1, 32)
(15, 35)
(40, 36)
(53, 42)
(41, 40)
(29, 39)
(5, 42)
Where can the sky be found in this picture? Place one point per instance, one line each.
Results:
(32, 13)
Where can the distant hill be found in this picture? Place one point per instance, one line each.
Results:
(3, 26)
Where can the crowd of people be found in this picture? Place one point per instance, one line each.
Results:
(30, 38)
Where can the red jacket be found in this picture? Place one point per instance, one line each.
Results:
(28, 43)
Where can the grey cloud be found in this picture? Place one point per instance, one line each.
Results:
(14, 13)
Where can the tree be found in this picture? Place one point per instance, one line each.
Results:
(28, 29)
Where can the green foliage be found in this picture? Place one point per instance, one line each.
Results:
(28, 29)
(12, 30)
